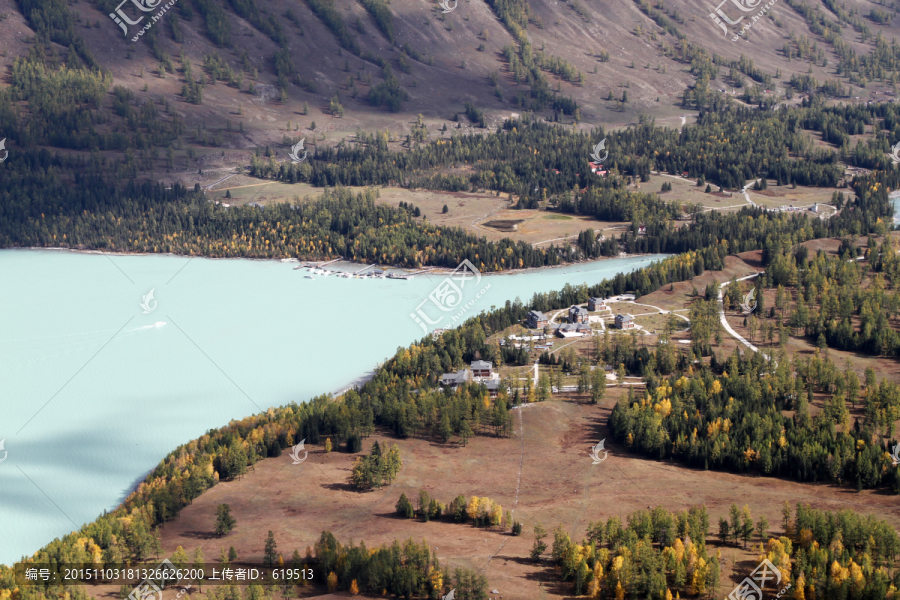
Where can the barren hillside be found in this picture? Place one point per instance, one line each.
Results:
(449, 61)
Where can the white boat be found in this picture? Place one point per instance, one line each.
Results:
(308, 277)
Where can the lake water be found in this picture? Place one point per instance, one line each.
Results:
(94, 391)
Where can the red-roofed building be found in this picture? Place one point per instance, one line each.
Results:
(597, 168)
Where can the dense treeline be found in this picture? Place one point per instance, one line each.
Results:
(67, 108)
(728, 146)
(51, 21)
(44, 211)
(840, 555)
(851, 304)
(730, 416)
(40, 209)
(483, 512)
(821, 554)
(656, 555)
(407, 570)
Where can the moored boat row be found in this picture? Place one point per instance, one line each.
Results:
(376, 274)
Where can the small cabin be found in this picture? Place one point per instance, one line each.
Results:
(454, 380)
(578, 314)
(595, 304)
(482, 368)
(537, 319)
(568, 330)
(625, 321)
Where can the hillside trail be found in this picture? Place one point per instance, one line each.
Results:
(518, 486)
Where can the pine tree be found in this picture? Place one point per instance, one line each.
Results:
(598, 385)
(445, 430)
(762, 527)
(724, 531)
(179, 559)
(270, 555)
(465, 431)
(786, 519)
(224, 521)
(539, 546)
(197, 562)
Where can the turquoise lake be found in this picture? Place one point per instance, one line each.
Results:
(94, 391)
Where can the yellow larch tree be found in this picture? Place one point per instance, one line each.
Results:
(472, 508)
(332, 582)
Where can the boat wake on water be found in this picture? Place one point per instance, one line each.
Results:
(123, 335)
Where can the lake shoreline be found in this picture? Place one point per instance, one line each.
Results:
(431, 270)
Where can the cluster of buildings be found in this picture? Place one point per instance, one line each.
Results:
(479, 371)
(817, 208)
(482, 371)
(578, 319)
